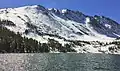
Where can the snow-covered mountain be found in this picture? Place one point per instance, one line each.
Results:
(41, 23)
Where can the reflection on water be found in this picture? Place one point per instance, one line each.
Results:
(59, 62)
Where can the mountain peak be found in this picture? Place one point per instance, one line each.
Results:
(38, 7)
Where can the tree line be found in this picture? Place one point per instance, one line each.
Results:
(15, 43)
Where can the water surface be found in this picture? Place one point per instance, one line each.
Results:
(59, 62)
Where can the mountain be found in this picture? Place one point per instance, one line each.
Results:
(86, 33)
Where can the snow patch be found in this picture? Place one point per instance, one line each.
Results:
(108, 26)
(64, 10)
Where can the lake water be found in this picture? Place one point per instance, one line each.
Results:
(59, 62)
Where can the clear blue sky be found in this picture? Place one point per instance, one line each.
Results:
(109, 8)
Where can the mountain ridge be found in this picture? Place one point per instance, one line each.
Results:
(64, 26)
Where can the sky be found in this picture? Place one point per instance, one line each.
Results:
(108, 8)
